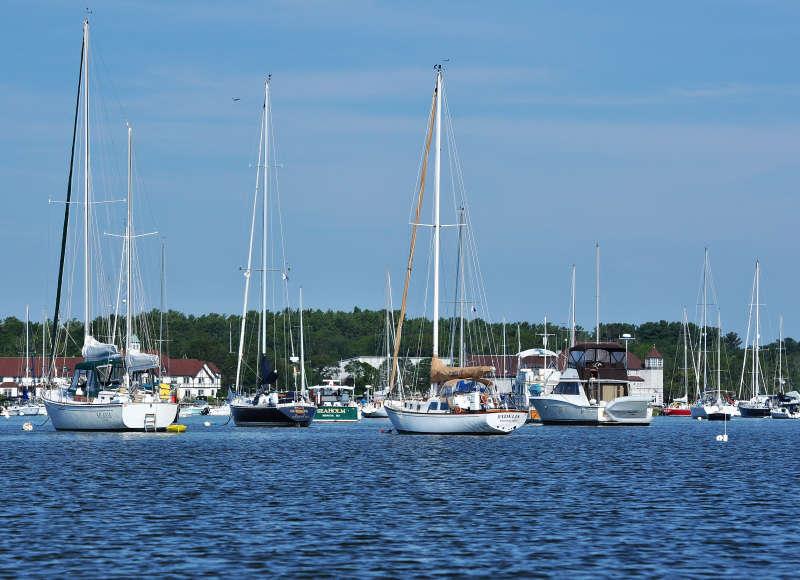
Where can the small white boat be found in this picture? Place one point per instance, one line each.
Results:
(374, 410)
(195, 409)
(220, 410)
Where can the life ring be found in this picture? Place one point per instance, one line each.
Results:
(457, 410)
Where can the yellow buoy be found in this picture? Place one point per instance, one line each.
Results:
(177, 428)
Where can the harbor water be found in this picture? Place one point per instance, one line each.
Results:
(335, 500)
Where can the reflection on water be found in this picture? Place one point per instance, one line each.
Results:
(349, 500)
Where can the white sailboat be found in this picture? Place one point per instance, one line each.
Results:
(788, 404)
(760, 404)
(110, 391)
(713, 404)
(374, 408)
(461, 400)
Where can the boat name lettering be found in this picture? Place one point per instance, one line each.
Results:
(334, 410)
(103, 414)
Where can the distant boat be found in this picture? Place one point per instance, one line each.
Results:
(713, 404)
(110, 391)
(268, 407)
(462, 400)
(680, 406)
(760, 404)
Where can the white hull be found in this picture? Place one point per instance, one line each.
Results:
(559, 410)
(74, 416)
(221, 411)
(499, 422)
(373, 411)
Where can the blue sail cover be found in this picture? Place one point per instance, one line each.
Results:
(268, 376)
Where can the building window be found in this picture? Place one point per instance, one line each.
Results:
(201, 392)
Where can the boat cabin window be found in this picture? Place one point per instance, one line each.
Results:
(597, 355)
(444, 406)
(618, 357)
(434, 406)
(577, 358)
(567, 388)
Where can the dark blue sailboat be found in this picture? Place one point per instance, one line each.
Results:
(269, 407)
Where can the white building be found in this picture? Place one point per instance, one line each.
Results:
(192, 378)
(652, 377)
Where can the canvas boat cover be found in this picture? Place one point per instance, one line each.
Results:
(441, 373)
(95, 350)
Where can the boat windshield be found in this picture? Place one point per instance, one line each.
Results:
(567, 388)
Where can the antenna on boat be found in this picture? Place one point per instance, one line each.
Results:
(597, 291)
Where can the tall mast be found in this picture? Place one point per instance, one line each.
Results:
(436, 179)
(597, 293)
(461, 353)
(264, 221)
(780, 352)
(756, 337)
(719, 355)
(128, 249)
(27, 343)
(572, 312)
(161, 313)
(44, 345)
(504, 347)
(388, 326)
(302, 350)
(248, 271)
(685, 356)
(703, 338)
(87, 265)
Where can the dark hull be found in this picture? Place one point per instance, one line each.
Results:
(286, 416)
(754, 412)
(719, 417)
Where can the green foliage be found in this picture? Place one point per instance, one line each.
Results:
(332, 336)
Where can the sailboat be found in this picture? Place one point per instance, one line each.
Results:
(713, 404)
(680, 406)
(269, 407)
(759, 405)
(788, 404)
(374, 407)
(461, 400)
(110, 391)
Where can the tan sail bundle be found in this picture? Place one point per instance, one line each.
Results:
(441, 373)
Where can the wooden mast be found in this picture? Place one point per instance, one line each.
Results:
(399, 333)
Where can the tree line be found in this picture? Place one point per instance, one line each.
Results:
(331, 336)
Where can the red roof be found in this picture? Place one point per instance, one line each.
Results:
(14, 366)
(654, 353)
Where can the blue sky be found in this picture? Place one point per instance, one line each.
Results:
(653, 128)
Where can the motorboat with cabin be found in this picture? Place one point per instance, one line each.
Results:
(594, 390)
(335, 402)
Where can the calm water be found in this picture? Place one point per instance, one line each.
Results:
(348, 500)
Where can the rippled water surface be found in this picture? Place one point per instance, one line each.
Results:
(349, 500)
